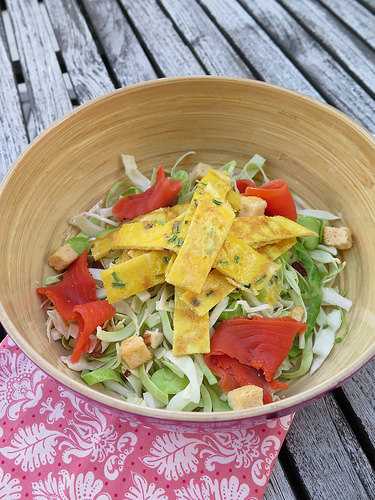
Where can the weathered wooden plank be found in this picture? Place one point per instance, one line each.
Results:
(13, 137)
(208, 42)
(349, 50)
(279, 487)
(370, 4)
(170, 52)
(48, 94)
(359, 391)
(12, 44)
(356, 17)
(85, 66)
(327, 454)
(258, 48)
(124, 52)
(323, 70)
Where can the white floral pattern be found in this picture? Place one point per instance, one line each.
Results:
(56, 445)
(32, 447)
(67, 486)
(142, 490)
(20, 384)
(207, 488)
(175, 454)
(55, 413)
(10, 488)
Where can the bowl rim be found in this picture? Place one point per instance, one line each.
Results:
(278, 407)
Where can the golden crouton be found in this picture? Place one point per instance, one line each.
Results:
(247, 396)
(153, 338)
(339, 237)
(297, 313)
(252, 205)
(62, 258)
(134, 352)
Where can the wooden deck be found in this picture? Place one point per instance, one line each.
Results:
(57, 54)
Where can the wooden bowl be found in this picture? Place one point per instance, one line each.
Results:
(325, 157)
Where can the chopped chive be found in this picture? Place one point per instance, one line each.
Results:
(237, 259)
(172, 238)
(217, 202)
(180, 242)
(117, 282)
(176, 227)
(223, 262)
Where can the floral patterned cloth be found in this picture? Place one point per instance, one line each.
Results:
(55, 445)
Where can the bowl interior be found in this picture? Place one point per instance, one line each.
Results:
(326, 159)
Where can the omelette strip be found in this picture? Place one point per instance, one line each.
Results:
(157, 220)
(240, 262)
(214, 290)
(135, 275)
(276, 249)
(162, 215)
(191, 332)
(260, 230)
(207, 232)
(103, 245)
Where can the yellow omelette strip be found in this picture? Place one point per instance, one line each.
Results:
(215, 184)
(135, 275)
(162, 215)
(260, 230)
(191, 332)
(276, 249)
(214, 290)
(103, 245)
(207, 232)
(158, 218)
(240, 262)
(145, 235)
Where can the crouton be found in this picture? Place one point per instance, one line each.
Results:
(62, 258)
(247, 396)
(200, 170)
(134, 352)
(339, 237)
(297, 313)
(153, 338)
(252, 205)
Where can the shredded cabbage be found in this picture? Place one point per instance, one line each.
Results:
(333, 298)
(191, 393)
(319, 214)
(136, 177)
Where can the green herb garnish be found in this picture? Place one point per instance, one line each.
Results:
(117, 282)
(237, 259)
(217, 202)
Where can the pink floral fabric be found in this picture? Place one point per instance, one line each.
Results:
(57, 445)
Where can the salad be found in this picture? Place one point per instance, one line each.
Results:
(202, 291)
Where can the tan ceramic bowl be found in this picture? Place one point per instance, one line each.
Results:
(325, 157)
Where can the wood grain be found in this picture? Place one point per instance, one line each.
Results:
(12, 130)
(324, 157)
(48, 94)
(260, 51)
(360, 393)
(322, 69)
(338, 461)
(84, 64)
(171, 54)
(208, 42)
(356, 17)
(124, 52)
(279, 487)
(348, 49)
(370, 4)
